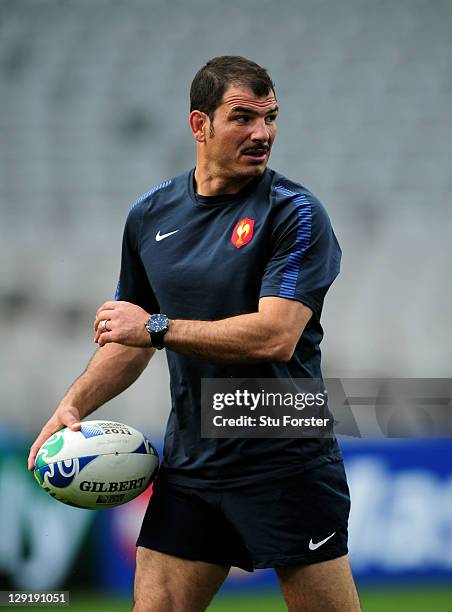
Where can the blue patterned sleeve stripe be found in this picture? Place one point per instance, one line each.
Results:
(303, 239)
(154, 189)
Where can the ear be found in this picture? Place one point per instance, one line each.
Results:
(198, 124)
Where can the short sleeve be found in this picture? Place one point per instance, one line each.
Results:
(305, 254)
(133, 285)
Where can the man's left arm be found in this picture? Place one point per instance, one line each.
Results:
(271, 334)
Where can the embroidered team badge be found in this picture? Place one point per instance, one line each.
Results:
(243, 232)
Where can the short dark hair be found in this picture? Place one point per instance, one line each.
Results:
(212, 80)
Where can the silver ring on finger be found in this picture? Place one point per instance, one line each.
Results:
(104, 325)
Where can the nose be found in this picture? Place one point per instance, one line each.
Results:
(260, 131)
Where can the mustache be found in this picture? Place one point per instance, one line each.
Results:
(259, 149)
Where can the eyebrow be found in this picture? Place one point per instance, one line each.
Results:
(250, 111)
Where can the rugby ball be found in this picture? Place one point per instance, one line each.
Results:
(105, 464)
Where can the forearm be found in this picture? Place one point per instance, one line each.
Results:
(271, 334)
(112, 369)
(242, 339)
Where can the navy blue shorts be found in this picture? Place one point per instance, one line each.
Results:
(296, 520)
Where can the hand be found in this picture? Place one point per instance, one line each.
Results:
(64, 416)
(125, 325)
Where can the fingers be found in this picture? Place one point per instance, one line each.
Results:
(34, 451)
(110, 305)
(121, 322)
(75, 426)
(104, 328)
(101, 327)
(102, 315)
(105, 312)
(46, 432)
(104, 338)
(69, 419)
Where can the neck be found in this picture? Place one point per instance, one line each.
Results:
(208, 183)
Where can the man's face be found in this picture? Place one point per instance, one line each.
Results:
(240, 137)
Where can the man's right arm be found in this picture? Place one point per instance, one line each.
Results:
(112, 369)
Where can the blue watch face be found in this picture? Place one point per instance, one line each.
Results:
(158, 323)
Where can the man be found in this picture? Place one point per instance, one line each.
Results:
(226, 266)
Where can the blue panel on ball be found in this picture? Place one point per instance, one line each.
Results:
(91, 431)
(142, 449)
(83, 461)
(62, 473)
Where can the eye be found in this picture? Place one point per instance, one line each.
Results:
(243, 119)
(270, 119)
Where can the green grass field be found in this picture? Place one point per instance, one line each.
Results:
(434, 599)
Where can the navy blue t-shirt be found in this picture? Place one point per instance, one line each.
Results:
(207, 258)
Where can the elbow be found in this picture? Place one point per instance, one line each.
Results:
(279, 350)
(284, 353)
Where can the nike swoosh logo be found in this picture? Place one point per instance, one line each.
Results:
(160, 236)
(313, 546)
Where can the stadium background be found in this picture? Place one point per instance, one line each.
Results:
(93, 112)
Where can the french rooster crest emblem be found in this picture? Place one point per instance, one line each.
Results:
(243, 232)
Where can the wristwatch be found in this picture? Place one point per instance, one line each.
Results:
(157, 326)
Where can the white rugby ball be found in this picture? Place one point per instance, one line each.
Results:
(105, 464)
